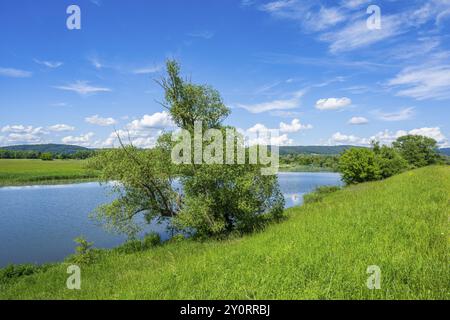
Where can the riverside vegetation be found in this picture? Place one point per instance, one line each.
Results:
(28, 171)
(320, 250)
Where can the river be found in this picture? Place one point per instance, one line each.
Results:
(38, 223)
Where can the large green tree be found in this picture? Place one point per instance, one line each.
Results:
(212, 199)
(419, 151)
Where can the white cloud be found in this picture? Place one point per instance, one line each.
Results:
(83, 88)
(356, 35)
(49, 64)
(20, 134)
(434, 133)
(265, 136)
(158, 120)
(424, 82)
(14, 73)
(333, 103)
(61, 128)
(142, 133)
(99, 121)
(387, 137)
(339, 138)
(404, 114)
(294, 126)
(310, 17)
(23, 129)
(83, 140)
(285, 104)
(358, 121)
(354, 3)
(262, 135)
(140, 139)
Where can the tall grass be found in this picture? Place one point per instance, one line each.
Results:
(321, 252)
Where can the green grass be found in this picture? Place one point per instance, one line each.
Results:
(20, 172)
(322, 251)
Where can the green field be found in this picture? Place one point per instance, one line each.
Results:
(20, 172)
(322, 251)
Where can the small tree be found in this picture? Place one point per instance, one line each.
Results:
(214, 199)
(419, 151)
(389, 161)
(359, 165)
(46, 157)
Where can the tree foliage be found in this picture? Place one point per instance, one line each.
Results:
(208, 200)
(380, 162)
(419, 151)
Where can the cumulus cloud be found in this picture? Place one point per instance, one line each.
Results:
(340, 138)
(259, 134)
(333, 103)
(294, 126)
(14, 73)
(143, 132)
(387, 137)
(82, 140)
(358, 121)
(158, 120)
(282, 104)
(262, 135)
(61, 128)
(99, 121)
(83, 88)
(20, 134)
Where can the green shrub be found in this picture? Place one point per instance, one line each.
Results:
(319, 193)
(151, 240)
(177, 238)
(359, 165)
(389, 161)
(13, 272)
(131, 246)
(46, 157)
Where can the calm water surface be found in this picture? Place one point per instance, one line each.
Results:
(38, 223)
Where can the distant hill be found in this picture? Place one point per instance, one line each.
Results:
(71, 149)
(327, 150)
(43, 148)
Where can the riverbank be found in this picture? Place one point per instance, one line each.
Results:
(299, 168)
(19, 172)
(23, 172)
(322, 251)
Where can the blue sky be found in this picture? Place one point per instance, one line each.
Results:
(312, 70)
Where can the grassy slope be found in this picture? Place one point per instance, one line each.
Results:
(19, 172)
(321, 252)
